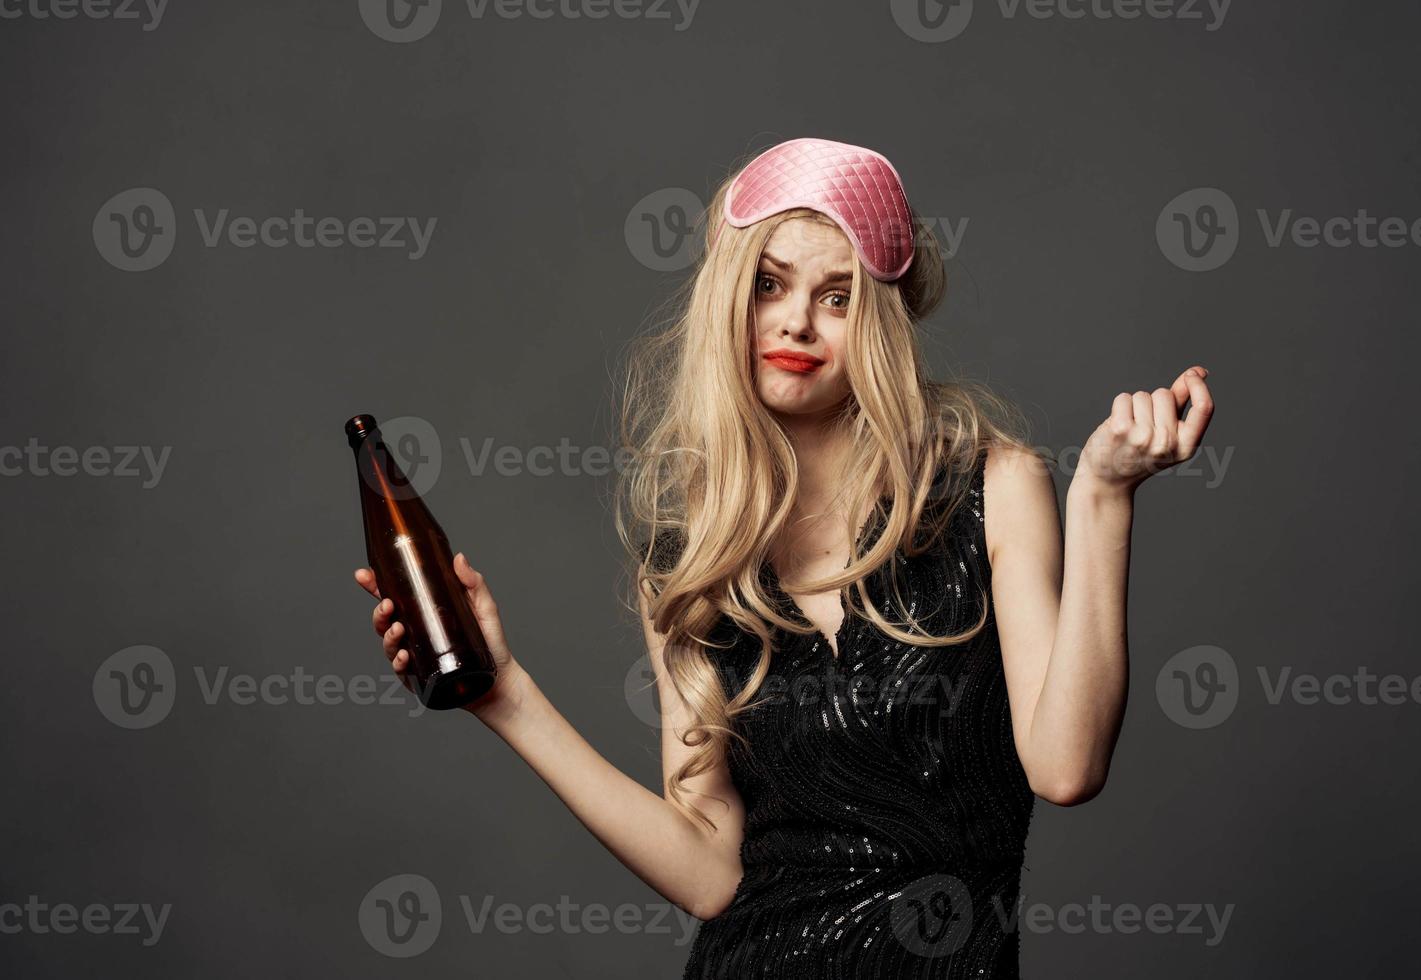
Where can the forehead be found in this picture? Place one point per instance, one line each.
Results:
(807, 242)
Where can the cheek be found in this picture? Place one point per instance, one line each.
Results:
(833, 352)
(762, 321)
(838, 364)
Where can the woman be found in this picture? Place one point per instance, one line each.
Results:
(871, 649)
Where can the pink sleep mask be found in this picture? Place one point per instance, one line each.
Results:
(856, 187)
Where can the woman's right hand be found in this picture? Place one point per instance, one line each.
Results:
(507, 686)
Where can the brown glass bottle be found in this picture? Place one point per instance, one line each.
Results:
(450, 663)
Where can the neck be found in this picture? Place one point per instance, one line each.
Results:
(820, 446)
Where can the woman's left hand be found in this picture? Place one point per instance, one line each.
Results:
(1144, 434)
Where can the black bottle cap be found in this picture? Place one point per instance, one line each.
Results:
(358, 428)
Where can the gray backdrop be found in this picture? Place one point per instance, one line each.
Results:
(187, 796)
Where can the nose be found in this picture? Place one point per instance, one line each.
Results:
(798, 324)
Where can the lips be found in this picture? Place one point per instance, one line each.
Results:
(793, 360)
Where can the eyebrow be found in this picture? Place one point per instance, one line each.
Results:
(835, 275)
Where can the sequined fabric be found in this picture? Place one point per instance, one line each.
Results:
(886, 808)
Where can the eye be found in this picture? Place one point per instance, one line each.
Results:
(764, 280)
(840, 295)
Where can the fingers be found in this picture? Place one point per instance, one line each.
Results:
(1122, 414)
(390, 640)
(401, 663)
(1166, 426)
(1201, 409)
(466, 572)
(398, 656)
(1180, 388)
(366, 579)
(1142, 407)
(383, 616)
(1146, 430)
(391, 633)
(481, 599)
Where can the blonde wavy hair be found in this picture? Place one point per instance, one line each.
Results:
(710, 467)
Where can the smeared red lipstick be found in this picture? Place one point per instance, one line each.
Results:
(793, 360)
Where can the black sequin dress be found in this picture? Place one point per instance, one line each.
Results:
(886, 807)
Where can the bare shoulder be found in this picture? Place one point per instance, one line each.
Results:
(1019, 500)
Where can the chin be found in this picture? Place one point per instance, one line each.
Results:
(798, 408)
(803, 402)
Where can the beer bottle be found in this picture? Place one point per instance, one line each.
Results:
(450, 664)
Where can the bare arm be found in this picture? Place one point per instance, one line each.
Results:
(696, 870)
(1063, 643)
(1062, 616)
